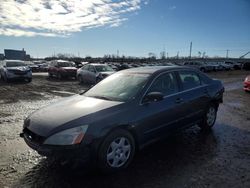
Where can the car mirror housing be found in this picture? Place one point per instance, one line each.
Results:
(153, 97)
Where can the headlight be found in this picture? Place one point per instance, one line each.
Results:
(67, 137)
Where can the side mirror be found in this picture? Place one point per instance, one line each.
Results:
(153, 97)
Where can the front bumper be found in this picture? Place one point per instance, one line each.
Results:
(71, 152)
(246, 86)
(19, 75)
(68, 74)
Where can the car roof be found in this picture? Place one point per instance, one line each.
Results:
(155, 69)
(12, 60)
(95, 64)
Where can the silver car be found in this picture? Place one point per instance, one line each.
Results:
(93, 73)
(15, 69)
(200, 66)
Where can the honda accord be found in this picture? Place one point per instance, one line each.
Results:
(123, 113)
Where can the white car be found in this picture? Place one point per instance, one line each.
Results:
(93, 73)
(15, 69)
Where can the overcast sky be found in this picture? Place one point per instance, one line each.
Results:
(134, 27)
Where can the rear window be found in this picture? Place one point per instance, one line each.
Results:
(189, 79)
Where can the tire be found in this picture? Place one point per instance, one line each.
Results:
(97, 80)
(5, 78)
(80, 79)
(209, 118)
(116, 151)
(202, 69)
(59, 76)
(29, 80)
(50, 75)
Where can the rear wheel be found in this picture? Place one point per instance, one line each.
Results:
(202, 70)
(29, 79)
(5, 78)
(80, 79)
(50, 75)
(59, 76)
(209, 118)
(116, 151)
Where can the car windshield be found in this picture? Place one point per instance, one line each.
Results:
(65, 64)
(15, 64)
(103, 68)
(119, 87)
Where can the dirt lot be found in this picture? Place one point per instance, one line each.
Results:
(220, 158)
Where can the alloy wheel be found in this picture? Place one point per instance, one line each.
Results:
(118, 152)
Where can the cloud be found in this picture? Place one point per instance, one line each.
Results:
(52, 18)
(172, 7)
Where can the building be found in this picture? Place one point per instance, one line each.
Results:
(15, 54)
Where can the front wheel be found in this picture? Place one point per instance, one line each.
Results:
(116, 151)
(29, 79)
(209, 118)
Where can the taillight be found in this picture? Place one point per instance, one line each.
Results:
(247, 79)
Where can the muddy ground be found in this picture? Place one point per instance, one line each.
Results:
(220, 158)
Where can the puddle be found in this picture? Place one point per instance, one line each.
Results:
(233, 86)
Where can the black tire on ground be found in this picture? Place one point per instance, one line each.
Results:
(80, 79)
(29, 79)
(98, 80)
(202, 69)
(5, 78)
(116, 151)
(209, 118)
(50, 75)
(59, 76)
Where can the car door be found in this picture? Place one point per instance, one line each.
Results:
(84, 73)
(92, 74)
(195, 96)
(158, 119)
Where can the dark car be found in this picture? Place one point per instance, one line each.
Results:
(123, 113)
(62, 69)
(246, 66)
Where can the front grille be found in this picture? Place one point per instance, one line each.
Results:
(19, 72)
(32, 138)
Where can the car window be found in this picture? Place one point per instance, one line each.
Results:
(85, 67)
(165, 83)
(103, 68)
(91, 68)
(189, 79)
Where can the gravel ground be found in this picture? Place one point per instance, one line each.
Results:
(220, 158)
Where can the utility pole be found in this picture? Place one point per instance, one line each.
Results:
(177, 55)
(227, 54)
(117, 53)
(190, 52)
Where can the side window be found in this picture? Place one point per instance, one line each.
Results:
(91, 68)
(85, 67)
(189, 79)
(166, 84)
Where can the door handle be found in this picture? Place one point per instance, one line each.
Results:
(179, 100)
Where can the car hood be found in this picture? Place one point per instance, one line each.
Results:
(70, 112)
(22, 68)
